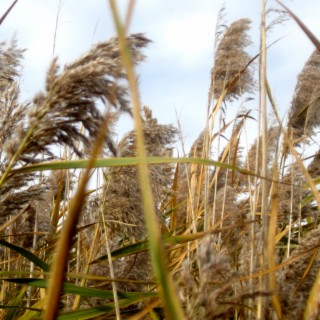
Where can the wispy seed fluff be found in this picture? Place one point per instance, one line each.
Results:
(70, 101)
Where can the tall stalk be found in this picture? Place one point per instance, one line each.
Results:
(264, 129)
(169, 297)
(264, 125)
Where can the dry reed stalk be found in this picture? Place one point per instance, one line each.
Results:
(4, 16)
(220, 28)
(271, 244)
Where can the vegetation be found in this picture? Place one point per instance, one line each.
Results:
(158, 237)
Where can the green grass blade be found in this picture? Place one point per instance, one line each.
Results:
(84, 291)
(130, 161)
(144, 245)
(27, 254)
(90, 313)
(9, 317)
(124, 251)
(13, 305)
(34, 312)
(94, 312)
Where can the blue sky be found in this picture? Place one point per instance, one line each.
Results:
(175, 77)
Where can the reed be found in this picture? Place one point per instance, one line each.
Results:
(230, 231)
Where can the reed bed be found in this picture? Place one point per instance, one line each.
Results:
(154, 236)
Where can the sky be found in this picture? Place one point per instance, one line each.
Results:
(174, 79)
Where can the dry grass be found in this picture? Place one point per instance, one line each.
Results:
(186, 238)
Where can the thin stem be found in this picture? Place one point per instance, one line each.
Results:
(169, 297)
(60, 261)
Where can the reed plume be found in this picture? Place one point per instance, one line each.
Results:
(71, 101)
(230, 59)
(303, 114)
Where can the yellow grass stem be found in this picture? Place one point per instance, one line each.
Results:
(76, 303)
(114, 285)
(272, 237)
(264, 125)
(146, 310)
(64, 245)
(312, 309)
(264, 131)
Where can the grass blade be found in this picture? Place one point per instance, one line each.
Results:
(130, 161)
(27, 254)
(95, 312)
(83, 291)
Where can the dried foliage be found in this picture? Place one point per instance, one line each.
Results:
(206, 282)
(187, 198)
(230, 59)
(232, 155)
(291, 193)
(123, 202)
(272, 145)
(314, 166)
(277, 17)
(297, 279)
(9, 64)
(12, 112)
(71, 99)
(304, 111)
(210, 220)
(121, 205)
(69, 114)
